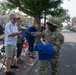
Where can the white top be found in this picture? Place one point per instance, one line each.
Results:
(9, 29)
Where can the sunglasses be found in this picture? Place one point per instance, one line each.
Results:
(14, 18)
(20, 21)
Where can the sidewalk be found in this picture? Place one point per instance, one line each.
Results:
(26, 67)
(1, 36)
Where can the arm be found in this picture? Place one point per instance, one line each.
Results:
(15, 34)
(10, 32)
(36, 48)
(26, 31)
(61, 38)
(42, 34)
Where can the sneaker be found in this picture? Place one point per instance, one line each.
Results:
(9, 73)
(32, 57)
(29, 54)
(20, 61)
(14, 66)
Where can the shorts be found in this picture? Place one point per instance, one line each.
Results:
(10, 51)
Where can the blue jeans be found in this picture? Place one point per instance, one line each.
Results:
(31, 46)
(19, 49)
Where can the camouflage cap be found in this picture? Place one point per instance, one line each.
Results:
(51, 23)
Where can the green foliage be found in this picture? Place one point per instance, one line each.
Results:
(36, 8)
(33, 6)
(60, 18)
(3, 8)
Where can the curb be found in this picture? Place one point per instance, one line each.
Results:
(28, 70)
(33, 67)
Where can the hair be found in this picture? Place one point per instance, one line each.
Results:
(18, 19)
(12, 15)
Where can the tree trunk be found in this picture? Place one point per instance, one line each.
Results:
(37, 17)
(45, 18)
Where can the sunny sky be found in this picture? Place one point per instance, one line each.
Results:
(71, 6)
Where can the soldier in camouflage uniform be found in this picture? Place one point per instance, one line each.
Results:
(55, 38)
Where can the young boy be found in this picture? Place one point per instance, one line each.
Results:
(46, 53)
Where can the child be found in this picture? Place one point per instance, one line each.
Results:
(46, 53)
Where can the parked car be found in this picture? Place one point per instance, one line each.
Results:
(72, 29)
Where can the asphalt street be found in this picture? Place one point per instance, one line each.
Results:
(68, 55)
(67, 65)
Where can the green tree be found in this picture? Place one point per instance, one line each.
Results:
(34, 8)
(2, 8)
(60, 16)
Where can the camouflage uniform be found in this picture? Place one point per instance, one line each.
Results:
(56, 39)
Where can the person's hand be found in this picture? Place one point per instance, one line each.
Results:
(19, 32)
(16, 34)
(36, 32)
(20, 36)
(36, 26)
